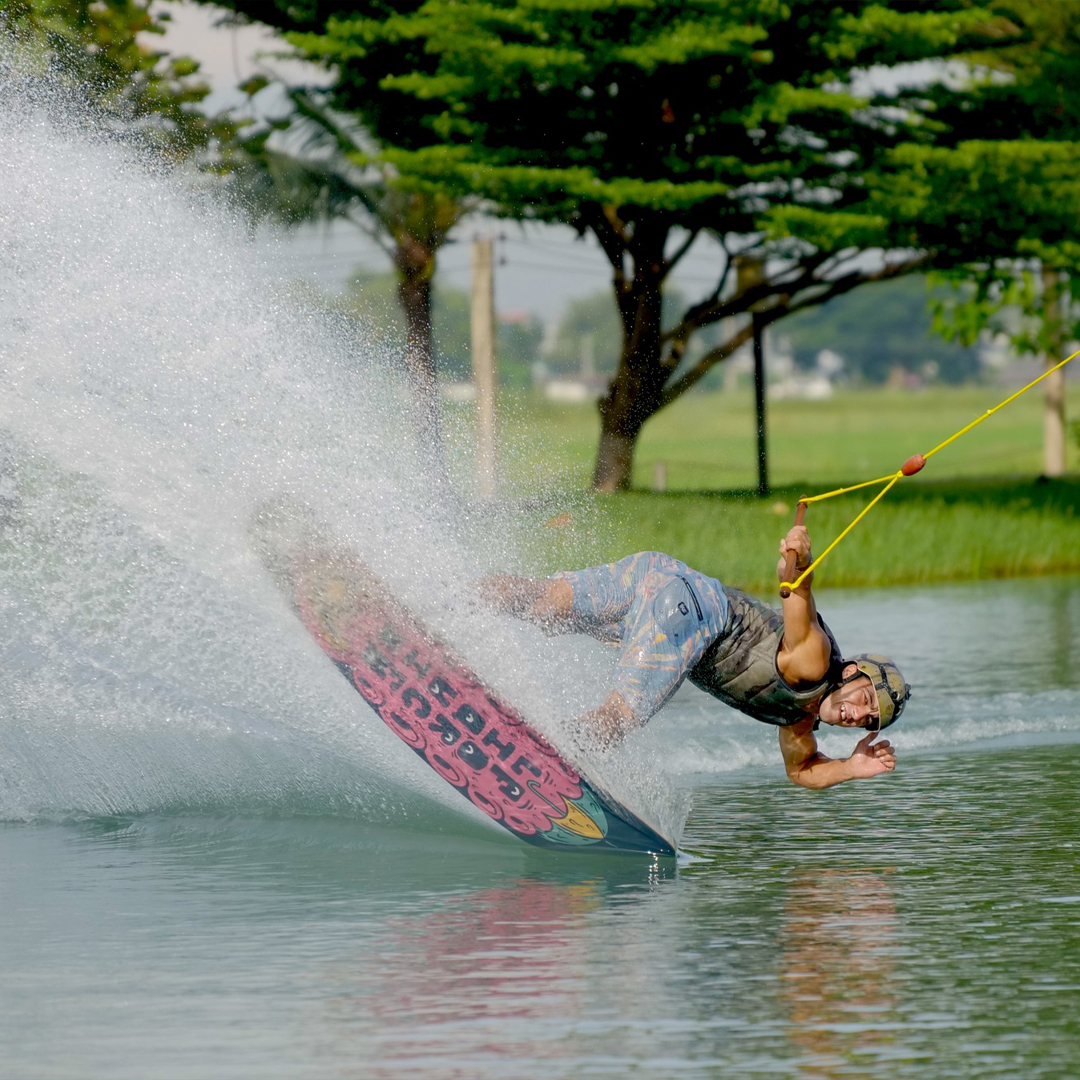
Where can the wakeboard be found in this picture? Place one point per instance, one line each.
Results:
(474, 740)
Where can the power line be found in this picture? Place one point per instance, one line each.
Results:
(566, 269)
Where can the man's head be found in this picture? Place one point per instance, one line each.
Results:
(871, 694)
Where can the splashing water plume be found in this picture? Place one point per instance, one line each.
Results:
(160, 380)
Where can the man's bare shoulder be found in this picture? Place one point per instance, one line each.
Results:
(808, 660)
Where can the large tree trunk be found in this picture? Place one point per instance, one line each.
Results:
(623, 412)
(416, 266)
(635, 392)
(614, 461)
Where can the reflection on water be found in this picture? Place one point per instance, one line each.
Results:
(839, 937)
(922, 925)
(490, 968)
(925, 927)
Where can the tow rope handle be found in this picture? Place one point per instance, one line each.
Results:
(789, 561)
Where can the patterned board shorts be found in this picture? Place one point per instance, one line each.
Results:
(661, 613)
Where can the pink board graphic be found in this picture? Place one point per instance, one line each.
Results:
(440, 709)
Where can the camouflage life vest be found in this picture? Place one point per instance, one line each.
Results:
(740, 669)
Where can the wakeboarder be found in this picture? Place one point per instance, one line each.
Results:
(672, 623)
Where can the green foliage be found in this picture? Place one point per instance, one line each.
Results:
(1033, 305)
(651, 122)
(755, 122)
(881, 328)
(675, 108)
(325, 169)
(99, 47)
(1030, 295)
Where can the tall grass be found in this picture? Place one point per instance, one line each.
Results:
(941, 531)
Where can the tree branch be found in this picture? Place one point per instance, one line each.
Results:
(785, 308)
(701, 368)
(850, 281)
(680, 251)
(610, 235)
(712, 310)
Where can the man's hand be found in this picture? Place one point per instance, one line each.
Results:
(797, 540)
(548, 602)
(870, 758)
(611, 722)
(808, 767)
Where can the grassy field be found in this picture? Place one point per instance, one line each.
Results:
(976, 510)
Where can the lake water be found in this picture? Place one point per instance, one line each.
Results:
(920, 925)
(216, 862)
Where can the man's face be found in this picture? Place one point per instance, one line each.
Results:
(854, 704)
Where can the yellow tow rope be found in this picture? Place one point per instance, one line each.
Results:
(913, 465)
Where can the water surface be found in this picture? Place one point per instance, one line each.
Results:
(921, 925)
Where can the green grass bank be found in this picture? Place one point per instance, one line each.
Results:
(978, 509)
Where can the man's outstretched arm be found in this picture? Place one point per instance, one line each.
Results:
(809, 768)
(805, 649)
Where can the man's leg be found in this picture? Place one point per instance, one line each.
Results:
(647, 599)
(593, 601)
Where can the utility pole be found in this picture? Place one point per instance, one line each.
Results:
(1054, 397)
(483, 359)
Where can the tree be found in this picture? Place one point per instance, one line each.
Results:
(329, 168)
(588, 333)
(650, 123)
(881, 328)
(1033, 295)
(371, 296)
(326, 169)
(101, 49)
